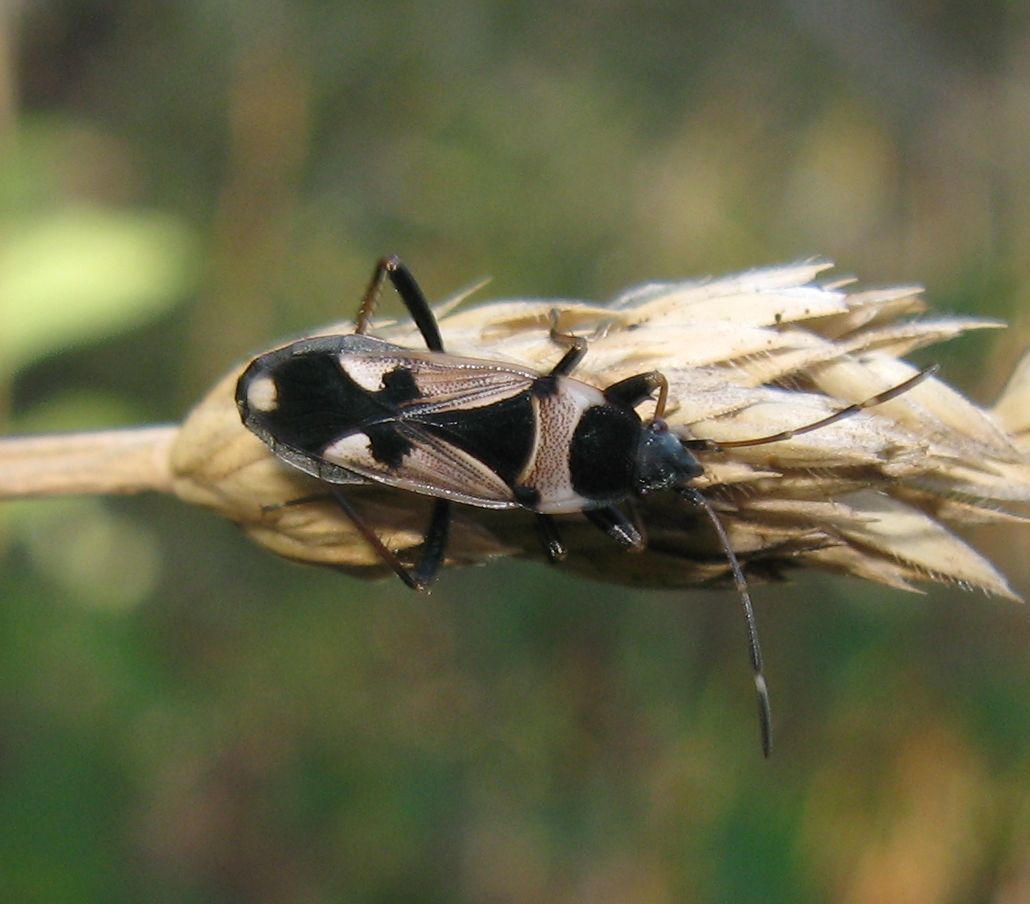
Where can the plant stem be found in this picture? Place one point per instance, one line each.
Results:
(133, 460)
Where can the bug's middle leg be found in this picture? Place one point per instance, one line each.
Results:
(550, 539)
(577, 348)
(434, 545)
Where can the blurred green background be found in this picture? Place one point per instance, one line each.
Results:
(185, 718)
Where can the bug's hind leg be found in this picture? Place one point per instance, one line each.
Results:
(410, 293)
(620, 528)
(434, 546)
(550, 539)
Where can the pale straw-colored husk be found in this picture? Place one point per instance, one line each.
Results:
(749, 355)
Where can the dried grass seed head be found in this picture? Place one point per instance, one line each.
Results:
(747, 355)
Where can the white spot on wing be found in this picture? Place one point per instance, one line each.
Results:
(262, 394)
(353, 450)
(366, 371)
(431, 467)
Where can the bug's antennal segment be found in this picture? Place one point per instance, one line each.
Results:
(755, 649)
(708, 445)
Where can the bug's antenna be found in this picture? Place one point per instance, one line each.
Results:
(709, 445)
(764, 710)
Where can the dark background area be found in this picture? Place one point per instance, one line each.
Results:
(185, 718)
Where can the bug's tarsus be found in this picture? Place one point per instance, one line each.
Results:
(550, 539)
(707, 445)
(409, 292)
(755, 649)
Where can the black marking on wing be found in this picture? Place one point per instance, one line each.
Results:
(318, 403)
(603, 452)
(398, 387)
(426, 426)
(388, 445)
(500, 435)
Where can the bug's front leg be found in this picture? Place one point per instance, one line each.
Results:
(636, 389)
(620, 528)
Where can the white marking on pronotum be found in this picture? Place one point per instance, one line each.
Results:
(262, 394)
(367, 372)
(558, 415)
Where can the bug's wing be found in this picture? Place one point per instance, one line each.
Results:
(430, 466)
(439, 382)
(464, 431)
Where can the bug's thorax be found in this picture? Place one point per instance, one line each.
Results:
(585, 450)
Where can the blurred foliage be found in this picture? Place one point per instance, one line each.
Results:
(185, 719)
(110, 270)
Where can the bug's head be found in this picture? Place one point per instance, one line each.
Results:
(663, 462)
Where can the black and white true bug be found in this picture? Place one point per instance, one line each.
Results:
(353, 409)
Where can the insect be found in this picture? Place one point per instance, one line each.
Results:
(353, 409)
